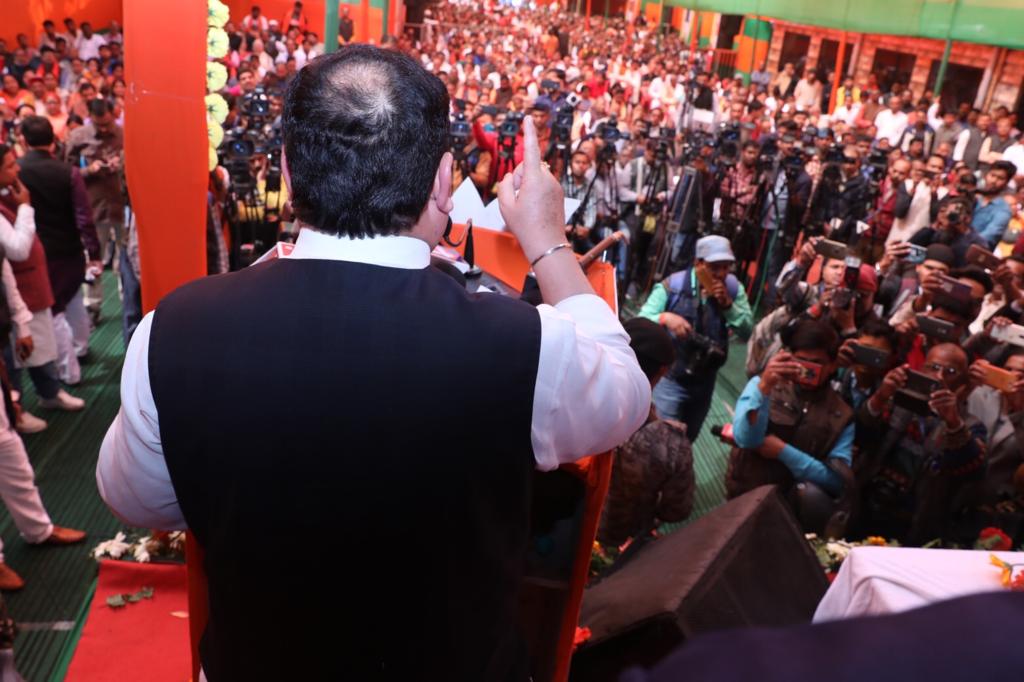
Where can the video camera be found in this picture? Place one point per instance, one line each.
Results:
(727, 149)
(257, 136)
(508, 131)
(878, 165)
(458, 135)
(703, 354)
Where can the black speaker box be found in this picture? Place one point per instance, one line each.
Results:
(746, 563)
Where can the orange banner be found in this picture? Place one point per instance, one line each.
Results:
(166, 147)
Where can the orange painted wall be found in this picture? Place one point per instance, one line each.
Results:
(277, 9)
(315, 10)
(27, 16)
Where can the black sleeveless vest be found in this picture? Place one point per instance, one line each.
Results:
(49, 182)
(351, 446)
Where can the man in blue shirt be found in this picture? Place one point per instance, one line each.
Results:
(991, 212)
(792, 429)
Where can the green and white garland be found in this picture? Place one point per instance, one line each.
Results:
(217, 15)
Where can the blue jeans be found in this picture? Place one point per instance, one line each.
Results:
(43, 377)
(687, 403)
(132, 293)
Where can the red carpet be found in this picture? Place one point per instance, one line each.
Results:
(145, 640)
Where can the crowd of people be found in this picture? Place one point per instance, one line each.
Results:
(868, 243)
(62, 222)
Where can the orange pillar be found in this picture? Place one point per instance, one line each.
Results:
(588, 10)
(364, 23)
(837, 77)
(166, 147)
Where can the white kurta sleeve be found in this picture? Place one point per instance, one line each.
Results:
(591, 394)
(132, 473)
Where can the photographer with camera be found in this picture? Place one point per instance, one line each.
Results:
(792, 429)
(643, 188)
(505, 144)
(471, 161)
(579, 183)
(864, 361)
(844, 296)
(952, 227)
(840, 198)
(902, 285)
(923, 446)
(738, 190)
(783, 210)
(698, 306)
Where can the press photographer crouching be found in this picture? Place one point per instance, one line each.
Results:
(652, 477)
(698, 306)
(792, 429)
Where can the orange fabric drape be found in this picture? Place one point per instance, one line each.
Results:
(166, 142)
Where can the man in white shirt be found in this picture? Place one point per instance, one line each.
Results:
(1015, 155)
(422, 404)
(808, 92)
(891, 122)
(89, 43)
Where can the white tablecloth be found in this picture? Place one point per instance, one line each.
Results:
(879, 580)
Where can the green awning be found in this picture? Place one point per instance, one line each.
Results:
(990, 22)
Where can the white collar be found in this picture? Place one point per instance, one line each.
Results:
(392, 251)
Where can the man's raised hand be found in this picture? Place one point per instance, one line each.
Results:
(531, 200)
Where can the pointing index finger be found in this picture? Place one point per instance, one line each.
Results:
(531, 149)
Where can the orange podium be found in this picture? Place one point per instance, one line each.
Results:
(550, 594)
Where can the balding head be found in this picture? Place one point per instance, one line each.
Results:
(364, 130)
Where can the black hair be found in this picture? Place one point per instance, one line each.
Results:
(75, 118)
(879, 329)
(651, 344)
(1007, 167)
(98, 107)
(973, 272)
(806, 333)
(961, 200)
(37, 131)
(364, 133)
(751, 144)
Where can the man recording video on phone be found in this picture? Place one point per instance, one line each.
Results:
(926, 445)
(424, 410)
(792, 429)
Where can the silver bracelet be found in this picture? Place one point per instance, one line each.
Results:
(556, 247)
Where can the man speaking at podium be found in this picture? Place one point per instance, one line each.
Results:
(348, 433)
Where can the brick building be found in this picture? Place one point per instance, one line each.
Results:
(983, 75)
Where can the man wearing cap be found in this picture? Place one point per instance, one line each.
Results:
(698, 306)
(899, 289)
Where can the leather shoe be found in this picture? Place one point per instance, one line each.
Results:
(9, 580)
(64, 536)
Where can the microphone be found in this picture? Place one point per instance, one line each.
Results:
(590, 256)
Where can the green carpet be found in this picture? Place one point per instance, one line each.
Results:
(710, 455)
(60, 580)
